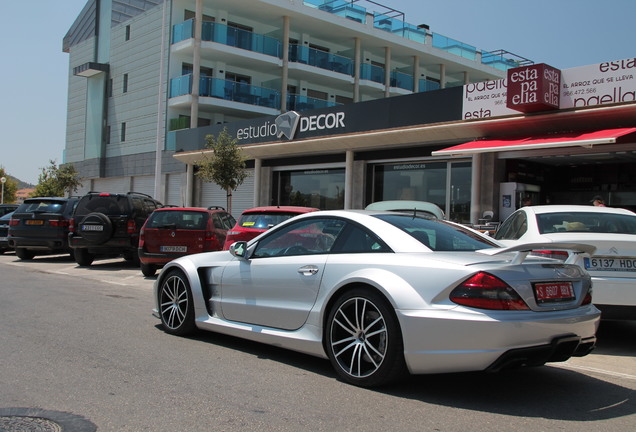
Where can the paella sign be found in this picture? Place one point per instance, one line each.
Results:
(586, 86)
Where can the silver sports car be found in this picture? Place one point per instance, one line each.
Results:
(382, 293)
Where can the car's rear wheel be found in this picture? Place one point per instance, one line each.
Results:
(24, 254)
(148, 269)
(363, 339)
(83, 257)
(175, 304)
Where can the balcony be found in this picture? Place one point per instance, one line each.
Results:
(504, 60)
(226, 90)
(320, 59)
(296, 102)
(230, 36)
(454, 47)
(371, 72)
(399, 27)
(341, 8)
(402, 80)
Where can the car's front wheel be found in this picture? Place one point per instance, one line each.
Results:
(363, 339)
(175, 304)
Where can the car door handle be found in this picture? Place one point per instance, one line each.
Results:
(308, 270)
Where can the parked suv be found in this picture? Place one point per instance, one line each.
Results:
(40, 226)
(173, 232)
(4, 232)
(257, 220)
(108, 224)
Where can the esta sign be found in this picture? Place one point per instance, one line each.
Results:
(533, 88)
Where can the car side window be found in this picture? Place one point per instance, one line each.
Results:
(305, 237)
(356, 239)
(514, 227)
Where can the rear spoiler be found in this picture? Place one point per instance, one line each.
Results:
(524, 249)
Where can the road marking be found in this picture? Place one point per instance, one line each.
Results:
(596, 370)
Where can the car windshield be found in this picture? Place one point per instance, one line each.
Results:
(263, 220)
(193, 220)
(111, 205)
(438, 235)
(41, 206)
(586, 222)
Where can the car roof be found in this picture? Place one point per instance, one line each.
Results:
(196, 209)
(542, 209)
(281, 209)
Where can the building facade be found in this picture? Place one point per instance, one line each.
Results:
(336, 104)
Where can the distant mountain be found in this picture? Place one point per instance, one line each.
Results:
(21, 184)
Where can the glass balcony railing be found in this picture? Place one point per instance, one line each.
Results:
(503, 60)
(454, 47)
(320, 59)
(399, 27)
(221, 33)
(227, 90)
(372, 73)
(402, 80)
(296, 102)
(428, 85)
(341, 8)
(182, 31)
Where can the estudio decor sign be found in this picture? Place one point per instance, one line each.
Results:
(533, 88)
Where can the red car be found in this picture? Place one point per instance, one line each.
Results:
(257, 220)
(172, 232)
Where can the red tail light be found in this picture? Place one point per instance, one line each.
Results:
(560, 255)
(485, 291)
(71, 225)
(14, 222)
(142, 238)
(211, 242)
(61, 222)
(587, 299)
(131, 227)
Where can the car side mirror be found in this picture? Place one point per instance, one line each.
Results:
(239, 249)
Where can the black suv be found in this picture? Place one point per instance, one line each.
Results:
(108, 224)
(7, 208)
(40, 226)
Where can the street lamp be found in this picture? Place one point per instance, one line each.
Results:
(3, 180)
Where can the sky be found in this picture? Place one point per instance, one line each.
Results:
(34, 70)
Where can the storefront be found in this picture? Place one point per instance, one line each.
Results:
(547, 135)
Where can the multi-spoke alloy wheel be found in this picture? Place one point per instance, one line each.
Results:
(175, 304)
(363, 339)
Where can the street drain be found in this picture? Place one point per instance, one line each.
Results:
(37, 420)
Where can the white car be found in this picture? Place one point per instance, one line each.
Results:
(381, 293)
(611, 230)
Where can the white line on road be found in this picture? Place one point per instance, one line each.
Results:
(596, 370)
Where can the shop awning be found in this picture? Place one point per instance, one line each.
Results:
(586, 139)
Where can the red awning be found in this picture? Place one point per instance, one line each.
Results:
(587, 139)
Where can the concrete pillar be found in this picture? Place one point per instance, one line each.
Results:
(387, 72)
(196, 64)
(258, 165)
(356, 73)
(475, 188)
(348, 196)
(285, 77)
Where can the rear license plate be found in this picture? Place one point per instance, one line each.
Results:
(173, 248)
(554, 292)
(3, 239)
(92, 228)
(600, 263)
(34, 222)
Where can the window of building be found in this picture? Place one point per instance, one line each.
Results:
(125, 85)
(188, 15)
(446, 184)
(123, 131)
(317, 94)
(320, 188)
(188, 68)
(343, 100)
(127, 36)
(108, 134)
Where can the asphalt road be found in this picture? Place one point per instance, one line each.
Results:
(83, 341)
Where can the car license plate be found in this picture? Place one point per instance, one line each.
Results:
(554, 292)
(173, 248)
(605, 263)
(34, 222)
(92, 228)
(3, 239)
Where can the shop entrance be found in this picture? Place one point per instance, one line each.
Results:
(320, 188)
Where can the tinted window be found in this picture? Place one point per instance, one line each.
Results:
(438, 235)
(306, 237)
(41, 206)
(192, 220)
(112, 205)
(584, 222)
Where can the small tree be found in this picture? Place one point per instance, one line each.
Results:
(9, 189)
(57, 181)
(226, 165)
